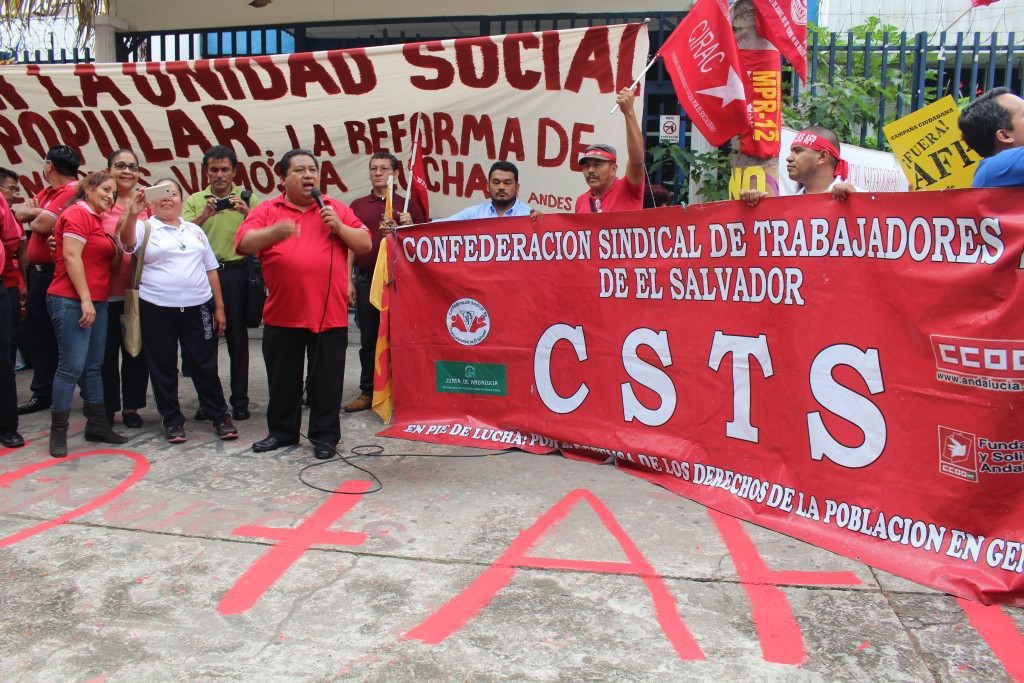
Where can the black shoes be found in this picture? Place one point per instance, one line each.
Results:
(34, 405)
(176, 434)
(323, 452)
(272, 443)
(11, 440)
(236, 413)
(225, 430)
(132, 420)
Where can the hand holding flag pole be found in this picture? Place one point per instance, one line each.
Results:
(642, 73)
(637, 81)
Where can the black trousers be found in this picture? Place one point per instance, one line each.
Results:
(284, 352)
(42, 343)
(369, 323)
(162, 329)
(234, 288)
(8, 389)
(122, 375)
(14, 324)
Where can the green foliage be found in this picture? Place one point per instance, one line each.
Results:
(851, 103)
(711, 170)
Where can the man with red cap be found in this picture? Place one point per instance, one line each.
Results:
(600, 164)
(815, 165)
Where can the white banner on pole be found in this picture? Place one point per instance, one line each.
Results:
(535, 99)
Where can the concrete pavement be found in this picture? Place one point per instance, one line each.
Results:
(204, 561)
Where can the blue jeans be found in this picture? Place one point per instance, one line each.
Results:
(80, 351)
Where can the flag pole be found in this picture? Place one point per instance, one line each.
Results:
(955, 21)
(642, 73)
(412, 165)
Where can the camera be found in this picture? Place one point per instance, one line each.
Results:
(223, 204)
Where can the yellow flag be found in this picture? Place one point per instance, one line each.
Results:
(383, 404)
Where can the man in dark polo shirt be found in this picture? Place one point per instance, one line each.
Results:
(370, 210)
(60, 171)
(220, 223)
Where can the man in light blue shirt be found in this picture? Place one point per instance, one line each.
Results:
(993, 126)
(503, 186)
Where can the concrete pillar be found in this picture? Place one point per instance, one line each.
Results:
(105, 30)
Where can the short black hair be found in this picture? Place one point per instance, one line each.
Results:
(220, 152)
(64, 159)
(286, 160)
(6, 173)
(982, 119)
(390, 157)
(118, 152)
(506, 166)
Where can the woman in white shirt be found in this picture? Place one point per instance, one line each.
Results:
(180, 302)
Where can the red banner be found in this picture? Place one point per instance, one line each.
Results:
(784, 25)
(848, 373)
(764, 102)
(703, 60)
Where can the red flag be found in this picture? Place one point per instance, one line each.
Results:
(704, 62)
(418, 179)
(981, 3)
(783, 23)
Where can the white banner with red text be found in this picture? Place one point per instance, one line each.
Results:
(849, 373)
(535, 99)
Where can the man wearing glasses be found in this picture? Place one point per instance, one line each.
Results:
(600, 165)
(60, 171)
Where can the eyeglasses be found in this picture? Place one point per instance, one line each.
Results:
(120, 166)
(13, 189)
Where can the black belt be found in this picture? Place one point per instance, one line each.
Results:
(228, 265)
(43, 267)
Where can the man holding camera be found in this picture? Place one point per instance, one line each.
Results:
(219, 209)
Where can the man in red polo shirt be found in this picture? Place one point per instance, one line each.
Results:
(600, 165)
(303, 241)
(60, 171)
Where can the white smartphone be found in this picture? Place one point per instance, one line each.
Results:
(158, 192)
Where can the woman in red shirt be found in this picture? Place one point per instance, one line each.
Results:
(77, 302)
(122, 374)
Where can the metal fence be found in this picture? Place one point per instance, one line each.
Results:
(61, 56)
(920, 69)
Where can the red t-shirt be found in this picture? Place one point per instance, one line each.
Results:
(11, 235)
(52, 201)
(297, 269)
(82, 223)
(621, 196)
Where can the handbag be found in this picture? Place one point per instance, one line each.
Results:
(257, 293)
(131, 328)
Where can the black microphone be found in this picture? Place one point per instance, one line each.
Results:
(316, 197)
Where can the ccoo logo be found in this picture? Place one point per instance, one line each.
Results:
(468, 322)
(958, 456)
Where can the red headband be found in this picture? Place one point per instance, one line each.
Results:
(598, 153)
(820, 144)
